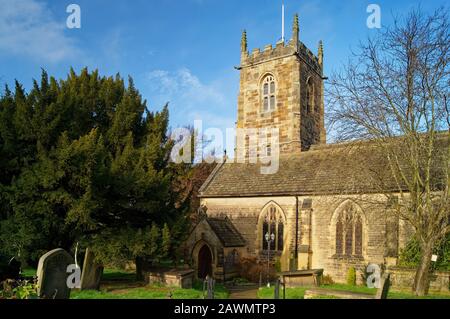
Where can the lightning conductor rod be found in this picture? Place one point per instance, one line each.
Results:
(282, 21)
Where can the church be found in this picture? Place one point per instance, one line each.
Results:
(317, 211)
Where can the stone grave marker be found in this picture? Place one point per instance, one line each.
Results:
(52, 274)
(209, 284)
(92, 272)
(277, 289)
(385, 283)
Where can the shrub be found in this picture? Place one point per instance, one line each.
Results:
(277, 264)
(351, 276)
(18, 289)
(411, 254)
(252, 270)
(327, 280)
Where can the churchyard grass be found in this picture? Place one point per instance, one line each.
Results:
(291, 293)
(28, 272)
(123, 290)
(118, 275)
(146, 293)
(298, 293)
(150, 292)
(122, 285)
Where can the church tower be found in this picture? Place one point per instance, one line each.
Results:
(282, 87)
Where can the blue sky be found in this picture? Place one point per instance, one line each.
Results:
(177, 51)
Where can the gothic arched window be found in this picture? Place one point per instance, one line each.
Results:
(358, 236)
(349, 233)
(310, 96)
(339, 234)
(273, 227)
(268, 94)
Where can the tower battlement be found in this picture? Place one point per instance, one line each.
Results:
(281, 87)
(279, 51)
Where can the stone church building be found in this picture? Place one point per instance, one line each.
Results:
(317, 211)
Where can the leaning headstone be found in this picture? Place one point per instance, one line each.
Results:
(209, 284)
(52, 275)
(277, 289)
(385, 283)
(92, 272)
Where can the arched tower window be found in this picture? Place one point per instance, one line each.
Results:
(349, 232)
(268, 93)
(273, 227)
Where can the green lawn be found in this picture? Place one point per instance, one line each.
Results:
(291, 293)
(298, 293)
(118, 275)
(149, 292)
(118, 284)
(29, 272)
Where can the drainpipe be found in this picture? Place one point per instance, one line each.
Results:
(296, 230)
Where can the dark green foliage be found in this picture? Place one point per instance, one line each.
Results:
(351, 276)
(410, 255)
(83, 160)
(166, 242)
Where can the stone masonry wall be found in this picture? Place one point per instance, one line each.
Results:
(316, 230)
(292, 68)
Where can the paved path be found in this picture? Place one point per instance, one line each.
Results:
(244, 292)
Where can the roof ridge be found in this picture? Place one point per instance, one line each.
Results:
(211, 176)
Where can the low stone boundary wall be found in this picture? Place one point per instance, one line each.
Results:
(404, 278)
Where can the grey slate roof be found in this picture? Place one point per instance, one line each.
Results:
(327, 169)
(228, 235)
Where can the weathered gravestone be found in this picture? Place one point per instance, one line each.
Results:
(279, 285)
(385, 284)
(52, 274)
(92, 272)
(209, 285)
(277, 290)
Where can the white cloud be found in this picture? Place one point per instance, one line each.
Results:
(183, 85)
(190, 99)
(28, 27)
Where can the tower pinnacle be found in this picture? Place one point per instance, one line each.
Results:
(320, 53)
(244, 42)
(295, 32)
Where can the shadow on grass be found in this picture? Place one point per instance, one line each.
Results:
(118, 284)
(299, 292)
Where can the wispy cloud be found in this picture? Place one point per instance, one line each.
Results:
(184, 85)
(190, 99)
(28, 27)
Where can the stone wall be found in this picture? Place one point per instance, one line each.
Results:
(244, 213)
(317, 233)
(292, 65)
(404, 278)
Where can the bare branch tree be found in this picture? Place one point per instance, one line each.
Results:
(394, 92)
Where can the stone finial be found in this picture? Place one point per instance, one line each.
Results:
(320, 53)
(295, 32)
(244, 42)
(295, 26)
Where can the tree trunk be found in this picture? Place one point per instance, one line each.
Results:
(422, 280)
(139, 268)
